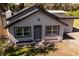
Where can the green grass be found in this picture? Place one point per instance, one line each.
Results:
(28, 50)
(74, 13)
(76, 21)
(2, 41)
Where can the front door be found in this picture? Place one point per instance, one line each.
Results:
(38, 33)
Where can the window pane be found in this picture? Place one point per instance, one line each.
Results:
(18, 34)
(48, 30)
(55, 30)
(26, 31)
(18, 31)
(55, 27)
(48, 33)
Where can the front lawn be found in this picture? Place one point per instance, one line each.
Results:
(64, 49)
(76, 23)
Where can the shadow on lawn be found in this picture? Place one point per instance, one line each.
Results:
(67, 37)
(75, 29)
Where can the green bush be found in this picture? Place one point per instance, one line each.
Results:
(28, 51)
(74, 13)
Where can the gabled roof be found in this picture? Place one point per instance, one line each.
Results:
(31, 11)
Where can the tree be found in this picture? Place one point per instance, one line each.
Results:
(3, 6)
(41, 5)
(21, 6)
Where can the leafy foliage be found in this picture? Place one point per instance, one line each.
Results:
(58, 6)
(28, 51)
(76, 21)
(51, 6)
(74, 13)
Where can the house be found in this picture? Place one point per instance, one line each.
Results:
(34, 24)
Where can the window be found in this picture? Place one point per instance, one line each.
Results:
(18, 31)
(48, 30)
(56, 29)
(52, 30)
(22, 31)
(26, 31)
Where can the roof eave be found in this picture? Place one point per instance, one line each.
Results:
(70, 18)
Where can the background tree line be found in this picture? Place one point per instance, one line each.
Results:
(51, 6)
(60, 6)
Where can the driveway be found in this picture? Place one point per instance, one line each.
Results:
(74, 43)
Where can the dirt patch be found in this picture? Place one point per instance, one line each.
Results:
(73, 43)
(68, 47)
(64, 50)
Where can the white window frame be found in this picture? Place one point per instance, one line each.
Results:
(27, 31)
(52, 31)
(57, 30)
(22, 32)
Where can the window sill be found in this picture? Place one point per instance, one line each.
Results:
(22, 36)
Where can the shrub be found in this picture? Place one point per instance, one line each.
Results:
(28, 51)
